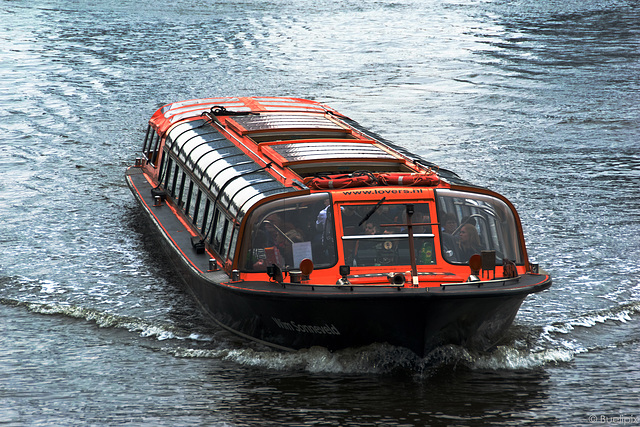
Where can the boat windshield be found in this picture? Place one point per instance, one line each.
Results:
(286, 231)
(471, 223)
(376, 235)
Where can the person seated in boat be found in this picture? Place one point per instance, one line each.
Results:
(370, 228)
(448, 223)
(388, 214)
(285, 238)
(265, 251)
(323, 239)
(264, 235)
(420, 217)
(365, 249)
(468, 243)
(277, 240)
(350, 220)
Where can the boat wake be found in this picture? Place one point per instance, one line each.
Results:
(525, 347)
(596, 330)
(160, 331)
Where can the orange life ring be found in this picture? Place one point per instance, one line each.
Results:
(417, 179)
(339, 181)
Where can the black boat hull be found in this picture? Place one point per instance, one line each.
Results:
(290, 316)
(295, 316)
(417, 322)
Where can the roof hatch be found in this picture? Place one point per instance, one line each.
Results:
(286, 127)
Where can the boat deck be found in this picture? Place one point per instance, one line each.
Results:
(176, 232)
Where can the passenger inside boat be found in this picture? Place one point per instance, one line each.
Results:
(286, 231)
(324, 235)
(364, 249)
(486, 223)
(449, 223)
(376, 235)
(468, 242)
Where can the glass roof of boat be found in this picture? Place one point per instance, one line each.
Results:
(263, 128)
(308, 140)
(290, 121)
(289, 138)
(307, 151)
(176, 111)
(236, 180)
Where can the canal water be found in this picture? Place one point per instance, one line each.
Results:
(538, 100)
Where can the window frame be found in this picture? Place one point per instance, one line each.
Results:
(324, 255)
(503, 234)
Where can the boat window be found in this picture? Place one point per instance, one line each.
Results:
(219, 227)
(150, 148)
(189, 199)
(471, 223)
(288, 230)
(148, 139)
(197, 205)
(205, 216)
(166, 172)
(376, 235)
(171, 184)
(234, 241)
(181, 189)
(226, 237)
(153, 154)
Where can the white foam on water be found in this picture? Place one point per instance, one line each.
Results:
(532, 348)
(529, 348)
(161, 331)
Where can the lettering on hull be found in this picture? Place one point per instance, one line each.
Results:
(312, 329)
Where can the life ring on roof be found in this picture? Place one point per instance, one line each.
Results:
(337, 182)
(427, 179)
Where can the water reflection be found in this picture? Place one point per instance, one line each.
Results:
(448, 395)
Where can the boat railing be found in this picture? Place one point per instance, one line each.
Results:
(349, 286)
(384, 236)
(480, 283)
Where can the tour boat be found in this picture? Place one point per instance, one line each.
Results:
(294, 226)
